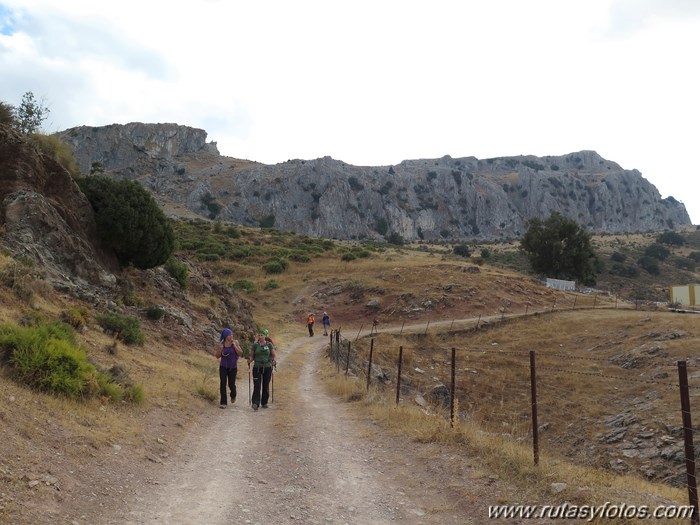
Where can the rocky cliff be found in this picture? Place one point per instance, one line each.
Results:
(45, 218)
(458, 199)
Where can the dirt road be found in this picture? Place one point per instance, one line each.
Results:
(307, 459)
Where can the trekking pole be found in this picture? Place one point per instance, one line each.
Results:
(272, 380)
(250, 400)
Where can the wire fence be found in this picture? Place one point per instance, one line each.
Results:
(556, 383)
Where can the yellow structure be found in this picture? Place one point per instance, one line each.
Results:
(687, 295)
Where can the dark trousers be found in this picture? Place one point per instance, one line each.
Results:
(261, 381)
(311, 329)
(227, 375)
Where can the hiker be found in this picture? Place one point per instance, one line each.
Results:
(228, 351)
(263, 357)
(310, 324)
(326, 323)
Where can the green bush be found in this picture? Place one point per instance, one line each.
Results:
(462, 250)
(300, 257)
(178, 271)
(275, 266)
(155, 312)
(46, 357)
(244, 284)
(127, 328)
(129, 221)
(272, 284)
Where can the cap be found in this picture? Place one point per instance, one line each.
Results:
(264, 331)
(224, 334)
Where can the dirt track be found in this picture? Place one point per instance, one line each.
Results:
(324, 467)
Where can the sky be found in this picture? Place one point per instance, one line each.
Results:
(375, 82)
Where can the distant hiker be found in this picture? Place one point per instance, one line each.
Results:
(326, 323)
(228, 351)
(310, 324)
(263, 357)
(374, 327)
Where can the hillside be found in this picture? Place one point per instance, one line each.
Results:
(609, 410)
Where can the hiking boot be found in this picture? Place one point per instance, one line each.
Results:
(222, 405)
(255, 407)
(233, 400)
(264, 406)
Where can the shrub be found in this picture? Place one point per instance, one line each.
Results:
(244, 284)
(155, 312)
(381, 226)
(300, 257)
(657, 251)
(126, 328)
(45, 357)
(272, 284)
(178, 271)
(267, 222)
(649, 264)
(275, 266)
(129, 221)
(618, 257)
(462, 249)
(348, 256)
(76, 317)
(672, 238)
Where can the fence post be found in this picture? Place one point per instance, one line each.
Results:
(369, 369)
(402, 323)
(477, 322)
(337, 344)
(688, 438)
(426, 327)
(526, 307)
(452, 391)
(533, 398)
(616, 302)
(574, 306)
(398, 376)
(347, 363)
(453, 322)
(595, 298)
(554, 304)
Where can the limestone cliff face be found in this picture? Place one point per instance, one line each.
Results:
(457, 199)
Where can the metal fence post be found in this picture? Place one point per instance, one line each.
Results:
(398, 376)
(452, 391)
(369, 368)
(347, 363)
(533, 398)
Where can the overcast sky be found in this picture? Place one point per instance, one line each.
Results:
(375, 82)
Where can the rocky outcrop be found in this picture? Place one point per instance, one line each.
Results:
(131, 147)
(456, 199)
(45, 218)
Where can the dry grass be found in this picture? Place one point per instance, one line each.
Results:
(501, 455)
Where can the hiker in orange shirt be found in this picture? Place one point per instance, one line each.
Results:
(310, 324)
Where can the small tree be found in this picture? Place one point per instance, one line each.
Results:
(30, 114)
(129, 221)
(559, 247)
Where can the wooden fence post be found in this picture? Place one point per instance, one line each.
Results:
(688, 439)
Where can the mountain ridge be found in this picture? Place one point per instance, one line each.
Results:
(445, 199)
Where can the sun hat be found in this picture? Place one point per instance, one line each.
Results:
(224, 334)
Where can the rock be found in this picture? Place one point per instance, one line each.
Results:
(556, 488)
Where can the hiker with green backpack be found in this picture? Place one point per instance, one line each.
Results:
(262, 356)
